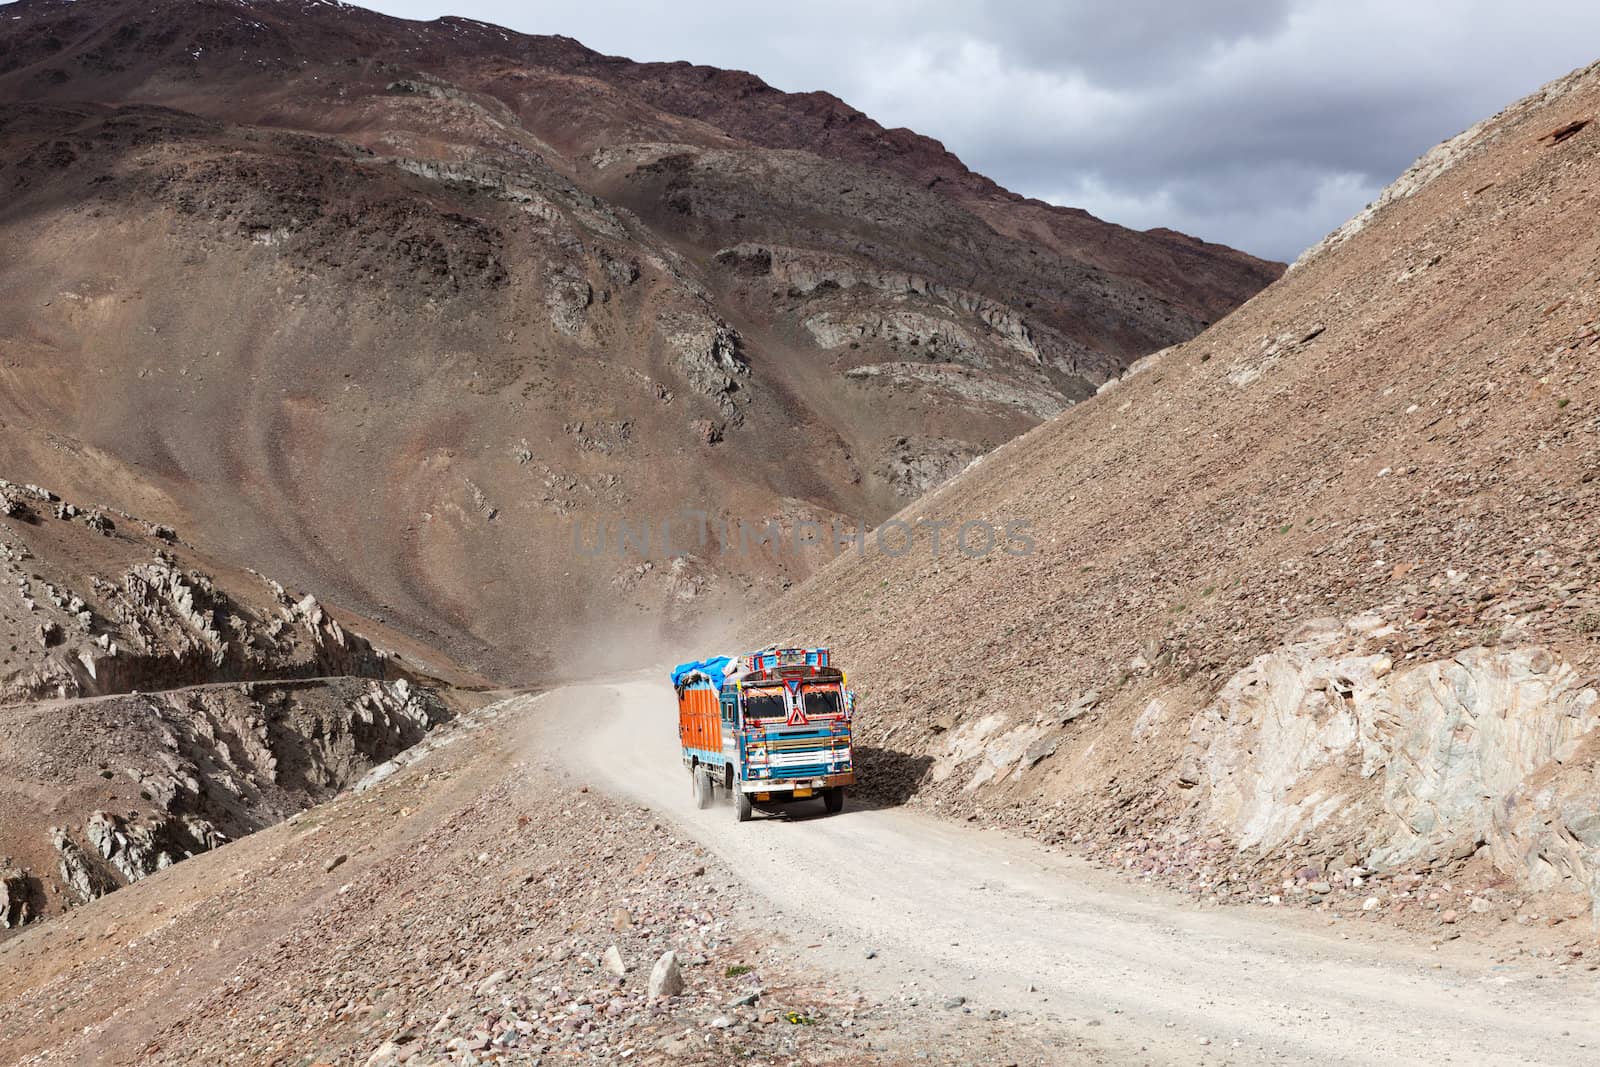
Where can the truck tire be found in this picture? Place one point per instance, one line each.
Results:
(702, 789)
(746, 806)
(833, 799)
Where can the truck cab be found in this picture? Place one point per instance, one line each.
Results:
(770, 727)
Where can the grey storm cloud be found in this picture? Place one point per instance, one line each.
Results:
(1260, 124)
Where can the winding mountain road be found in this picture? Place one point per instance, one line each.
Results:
(908, 906)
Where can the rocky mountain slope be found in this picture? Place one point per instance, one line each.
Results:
(1305, 608)
(390, 308)
(154, 704)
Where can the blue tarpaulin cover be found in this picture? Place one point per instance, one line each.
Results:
(715, 668)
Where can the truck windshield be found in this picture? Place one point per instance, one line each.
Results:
(822, 702)
(764, 704)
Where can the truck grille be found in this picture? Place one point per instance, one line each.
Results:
(804, 753)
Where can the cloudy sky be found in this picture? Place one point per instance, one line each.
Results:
(1259, 123)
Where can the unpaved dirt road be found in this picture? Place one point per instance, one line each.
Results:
(949, 911)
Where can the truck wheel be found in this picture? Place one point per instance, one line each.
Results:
(833, 799)
(746, 806)
(702, 789)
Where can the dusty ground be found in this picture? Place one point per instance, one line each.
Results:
(483, 878)
(1070, 951)
(459, 910)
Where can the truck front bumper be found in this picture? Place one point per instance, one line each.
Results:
(778, 786)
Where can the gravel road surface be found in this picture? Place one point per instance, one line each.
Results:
(912, 907)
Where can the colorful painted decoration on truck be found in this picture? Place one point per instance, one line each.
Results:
(768, 727)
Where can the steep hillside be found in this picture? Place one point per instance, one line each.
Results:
(389, 309)
(1304, 608)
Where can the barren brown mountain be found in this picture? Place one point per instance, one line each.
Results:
(1295, 613)
(1310, 610)
(390, 311)
(388, 308)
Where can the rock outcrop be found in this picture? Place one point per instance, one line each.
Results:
(206, 765)
(1547, 830)
(916, 465)
(1428, 759)
(162, 624)
(136, 850)
(16, 897)
(963, 383)
(81, 876)
(809, 273)
(163, 707)
(706, 353)
(908, 332)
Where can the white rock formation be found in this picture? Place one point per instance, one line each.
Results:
(1440, 756)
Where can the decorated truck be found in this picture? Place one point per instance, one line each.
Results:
(768, 728)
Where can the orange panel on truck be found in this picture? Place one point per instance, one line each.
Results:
(700, 719)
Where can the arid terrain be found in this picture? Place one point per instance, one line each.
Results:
(155, 704)
(1225, 643)
(1310, 614)
(390, 309)
(507, 894)
(422, 319)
